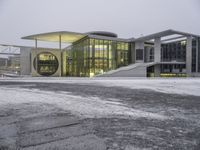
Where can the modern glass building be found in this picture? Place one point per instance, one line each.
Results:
(92, 56)
(169, 53)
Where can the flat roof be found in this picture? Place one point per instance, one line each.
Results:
(66, 36)
(163, 34)
(71, 37)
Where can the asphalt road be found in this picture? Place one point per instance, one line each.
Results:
(59, 129)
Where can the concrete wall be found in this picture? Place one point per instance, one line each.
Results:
(25, 60)
(189, 56)
(157, 49)
(35, 52)
(157, 70)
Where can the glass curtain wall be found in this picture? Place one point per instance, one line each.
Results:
(122, 54)
(175, 51)
(67, 61)
(89, 57)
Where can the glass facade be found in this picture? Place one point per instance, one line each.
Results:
(175, 51)
(89, 57)
(173, 68)
(95, 55)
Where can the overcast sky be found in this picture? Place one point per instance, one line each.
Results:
(127, 18)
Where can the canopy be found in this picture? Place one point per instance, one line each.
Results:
(62, 36)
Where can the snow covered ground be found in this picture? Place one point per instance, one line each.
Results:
(108, 113)
(87, 107)
(188, 86)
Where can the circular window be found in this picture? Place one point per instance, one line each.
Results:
(46, 64)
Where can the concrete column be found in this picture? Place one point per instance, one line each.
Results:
(147, 56)
(189, 56)
(60, 48)
(157, 49)
(197, 54)
(60, 42)
(25, 60)
(36, 43)
(139, 45)
(157, 70)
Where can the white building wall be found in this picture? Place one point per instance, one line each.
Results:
(56, 52)
(25, 60)
(157, 50)
(189, 56)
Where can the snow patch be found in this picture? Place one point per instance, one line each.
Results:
(183, 86)
(87, 107)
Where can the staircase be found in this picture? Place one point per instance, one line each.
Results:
(133, 70)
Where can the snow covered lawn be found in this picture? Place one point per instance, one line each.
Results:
(99, 113)
(86, 107)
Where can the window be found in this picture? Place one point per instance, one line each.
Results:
(46, 64)
(139, 54)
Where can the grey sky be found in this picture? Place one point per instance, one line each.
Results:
(127, 18)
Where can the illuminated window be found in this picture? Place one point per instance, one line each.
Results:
(46, 64)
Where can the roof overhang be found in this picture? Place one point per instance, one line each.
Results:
(62, 36)
(164, 34)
